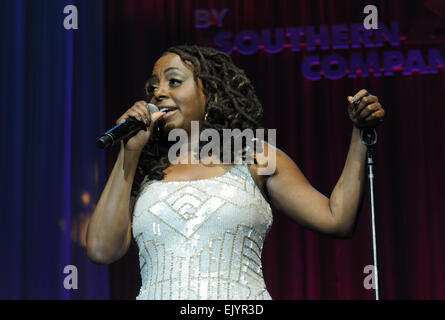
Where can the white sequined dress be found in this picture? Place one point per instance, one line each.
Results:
(202, 239)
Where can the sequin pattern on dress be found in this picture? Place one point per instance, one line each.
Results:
(202, 239)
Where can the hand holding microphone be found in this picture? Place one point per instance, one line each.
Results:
(137, 123)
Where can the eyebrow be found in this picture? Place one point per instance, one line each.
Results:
(172, 68)
(153, 76)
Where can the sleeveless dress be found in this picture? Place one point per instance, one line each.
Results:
(202, 239)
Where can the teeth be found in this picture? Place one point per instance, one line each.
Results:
(166, 109)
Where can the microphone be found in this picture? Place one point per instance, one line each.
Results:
(126, 129)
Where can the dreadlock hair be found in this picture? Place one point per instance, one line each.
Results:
(231, 103)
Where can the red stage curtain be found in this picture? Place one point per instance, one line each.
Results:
(313, 128)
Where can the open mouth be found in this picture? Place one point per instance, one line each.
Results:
(168, 111)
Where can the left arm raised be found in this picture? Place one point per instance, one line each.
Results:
(291, 193)
(349, 190)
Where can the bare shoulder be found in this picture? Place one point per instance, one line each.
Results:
(274, 172)
(268, 161)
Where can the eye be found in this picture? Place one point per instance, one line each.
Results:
(174, 82)
(151, 88)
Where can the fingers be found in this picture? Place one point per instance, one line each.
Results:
(365, 109)
(362, 104)
(362, 93)
(139, 111)
(354, 106)
(143, 113)
(368, 110)
(376, 115)
(156, 116)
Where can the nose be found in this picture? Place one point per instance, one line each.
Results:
(160, 93)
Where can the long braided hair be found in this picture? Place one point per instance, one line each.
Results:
(231, 103)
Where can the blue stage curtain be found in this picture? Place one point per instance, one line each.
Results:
(52, 111)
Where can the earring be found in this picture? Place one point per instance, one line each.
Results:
(205, 117)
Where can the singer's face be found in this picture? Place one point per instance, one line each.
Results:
(173, 85)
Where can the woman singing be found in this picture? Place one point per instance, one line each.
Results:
(200, 225)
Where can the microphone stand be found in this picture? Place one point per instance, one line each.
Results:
(368, 137)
